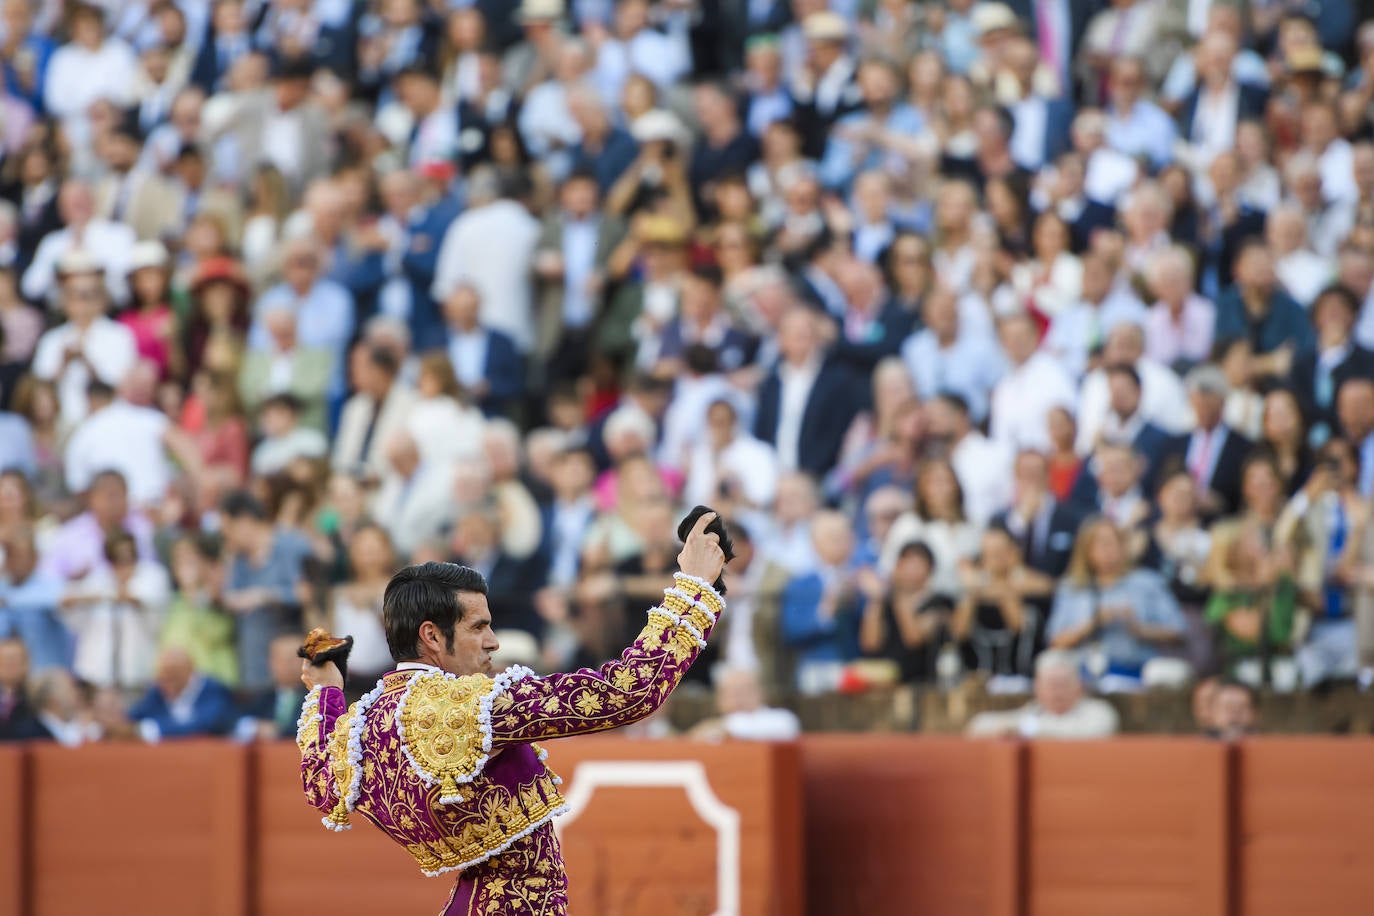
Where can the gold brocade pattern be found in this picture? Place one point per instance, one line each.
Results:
(440, 726)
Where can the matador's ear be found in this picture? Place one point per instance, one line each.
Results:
(716, 527)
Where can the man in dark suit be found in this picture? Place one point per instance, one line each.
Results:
(1057, 27)
(1319, 371)
(394, 268)
(1213, 453)
(1044, 527)
(1217, 91)
(1126, 425)
(226, 40)
(486, 362)
(18, 720)
(806, 403)
(273, 713)
(1258, 308)
(182, 703)
(511, 581)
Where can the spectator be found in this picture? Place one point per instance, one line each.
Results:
(1214, 453)
(730, 462)
(993, 621)
(116, 613)
(374, 414)
(150, 315)
(18, 719)
(442, 422)
(1126, 426)
(78, 546)
(1256, 611)
(1123, 616)
(881, 445)
(937, 520)
(1256, 307)
(413, 495)
(1320, 371)
(1355, 410)
(182, 703)
(324, 310)
(62, 709)
(92, 67)
(84, 244)
(806, 403)
(196, 623)
(1233, 711)
(1178, 331)
(284, 439)
(1302, 272)
(1034, 385)
(486, 361)
(491, 247)
(1076, 333)
(1042, 527)
(905, 620)
(1164, 401)
(742, 713)
(1177, 544)
(820, 607)
(275, 712)
(29, 600)
(357, 604)
(1135, 125)
(263, 574)
(1059, 709)
(287, 367)
(947, 357)
(88, 346)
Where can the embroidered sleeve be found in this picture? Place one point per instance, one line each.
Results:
(528, 708)
(319, 714)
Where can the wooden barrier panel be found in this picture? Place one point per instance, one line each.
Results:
(303, 868)
(674, 828)
(934, 821)
(1131, 826)
(13, 873)
(1305, 826)
(135, 829)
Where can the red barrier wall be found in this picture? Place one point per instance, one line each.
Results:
(132, 829)
(1305, 824)
(1133, 826)
(12, 858)
(1138, 825)
(934, 820)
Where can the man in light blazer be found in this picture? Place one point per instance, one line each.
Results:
(377, 410)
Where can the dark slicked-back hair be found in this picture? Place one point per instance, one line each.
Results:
(425, 592)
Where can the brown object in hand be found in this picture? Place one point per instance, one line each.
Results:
(321, 648)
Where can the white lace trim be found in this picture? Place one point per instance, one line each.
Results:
(355, 744)
(500, 684)
(310, 710)
(535, 825)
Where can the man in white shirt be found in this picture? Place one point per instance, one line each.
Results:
(413, 501)
(108, 244)
(1302, 271)
(491, 246)
(573, 511)
(546, 122)
(661, 57)
(126, 436)
(743, 715)
(88, 68)
(1034, 385)
(89, 346)
(1164, 401)
(1059, 710)
(727, 459)
(323, 308)
(1135, 125)
(1078, 332)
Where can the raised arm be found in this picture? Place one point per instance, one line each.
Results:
(314, 730)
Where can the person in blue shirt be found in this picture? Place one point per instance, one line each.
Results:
(820, 607)
(29, 601)
(866, 139)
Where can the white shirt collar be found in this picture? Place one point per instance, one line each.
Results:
(416, 666)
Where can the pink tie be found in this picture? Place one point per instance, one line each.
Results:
(1204, 455)
(1044, 26)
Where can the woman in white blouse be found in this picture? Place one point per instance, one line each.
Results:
(1053, 279)
(445, 428)
(939, 522)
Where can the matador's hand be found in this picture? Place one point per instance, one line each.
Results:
(326, 675)
(701, 555)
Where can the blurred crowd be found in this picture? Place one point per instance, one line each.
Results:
(1009, 338)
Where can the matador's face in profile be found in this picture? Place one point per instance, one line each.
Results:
(474, 642)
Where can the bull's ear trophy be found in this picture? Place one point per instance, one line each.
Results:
(717, 527)
(320, 648)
